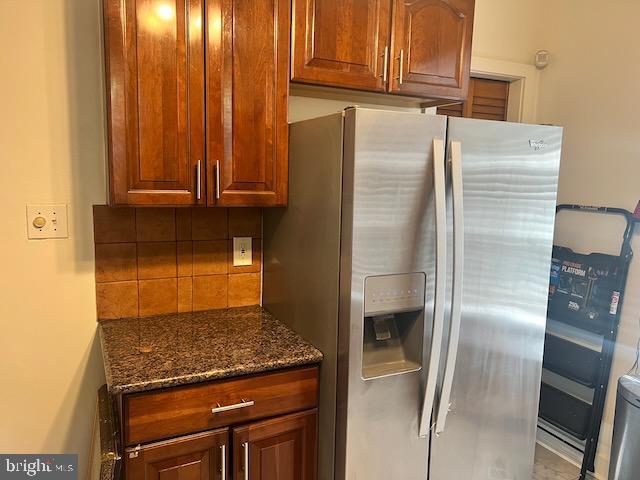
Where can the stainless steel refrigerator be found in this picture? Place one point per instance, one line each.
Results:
(415, 253)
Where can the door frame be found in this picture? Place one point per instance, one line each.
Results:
(524, 80)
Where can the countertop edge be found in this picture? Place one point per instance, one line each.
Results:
(196, 379)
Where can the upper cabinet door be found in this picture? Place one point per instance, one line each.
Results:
(247, 100)
(155, 73)
(341, 42)
(432, 47)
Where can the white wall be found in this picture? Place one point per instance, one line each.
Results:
(591, 88)
(52, 150)
(507, 30)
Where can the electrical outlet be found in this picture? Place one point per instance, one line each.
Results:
(242, 255)
(47, 221)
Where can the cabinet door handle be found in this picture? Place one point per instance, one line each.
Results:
(243, 404)
(385, 66)
(217, 178)
(401, 75)
(223, 463)
(199, 180)
(245, 450)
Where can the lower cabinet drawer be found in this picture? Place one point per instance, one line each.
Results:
(183, 410)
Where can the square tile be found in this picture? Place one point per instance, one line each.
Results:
(244, 289)
(183, 223)
(209, 292)
(158, 296)
(210, 258)
(156, 260)
(155, 224)
(185, 259)
(245, 222)
(117, 300)
(116, 262)
(185, 294)
(114, 225)
(209, 224)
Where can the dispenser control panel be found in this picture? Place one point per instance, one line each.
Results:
(394, 293)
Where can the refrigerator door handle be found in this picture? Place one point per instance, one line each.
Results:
(440, 285)
(456, 296)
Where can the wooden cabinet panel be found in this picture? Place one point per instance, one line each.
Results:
(340, 42)
(176, 411)
(247, 90)
(155, 73)
(282, 448)
(431, 47)
(196, 457)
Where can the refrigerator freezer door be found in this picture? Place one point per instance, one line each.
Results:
(387, 228)
(509, 174)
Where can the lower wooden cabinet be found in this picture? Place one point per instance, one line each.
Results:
(202, 456)
(282, 448)
(258, 427)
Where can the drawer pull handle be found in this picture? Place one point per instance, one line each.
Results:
(236, 406)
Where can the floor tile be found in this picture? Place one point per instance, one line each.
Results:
(549, 466)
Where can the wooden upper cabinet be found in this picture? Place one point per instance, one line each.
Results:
(162, 149)
(431, 47)
(247, 101)
(340, 42)
(418, 48)
(203, 456)
(155, 75)
(283, 448)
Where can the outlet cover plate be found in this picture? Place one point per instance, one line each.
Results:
(47, 221)
(242, 255)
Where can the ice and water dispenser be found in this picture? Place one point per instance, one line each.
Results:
(393, 324)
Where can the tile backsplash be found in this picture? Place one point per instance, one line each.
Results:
(151, 261)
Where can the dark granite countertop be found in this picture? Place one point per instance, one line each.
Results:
(177, 349)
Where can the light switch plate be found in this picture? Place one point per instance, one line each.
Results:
(47, 221)
(242, 255)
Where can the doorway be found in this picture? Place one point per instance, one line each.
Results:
(487, 100)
